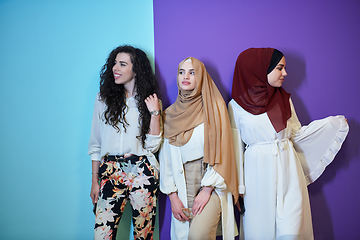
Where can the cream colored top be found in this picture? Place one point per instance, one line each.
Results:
(106, 139)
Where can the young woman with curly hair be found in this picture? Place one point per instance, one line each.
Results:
(125, 134)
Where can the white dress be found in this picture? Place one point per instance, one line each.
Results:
(276, 168)
(172, 179)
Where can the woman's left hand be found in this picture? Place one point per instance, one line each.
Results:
(201, 200)
(152, 103)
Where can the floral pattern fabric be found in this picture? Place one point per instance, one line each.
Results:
(129, 177)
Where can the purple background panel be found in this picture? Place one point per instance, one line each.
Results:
(321, 43)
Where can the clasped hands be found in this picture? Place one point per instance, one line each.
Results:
(199, 203)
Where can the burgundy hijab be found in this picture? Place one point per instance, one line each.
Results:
(252, 91)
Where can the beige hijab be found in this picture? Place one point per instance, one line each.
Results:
(205, 105)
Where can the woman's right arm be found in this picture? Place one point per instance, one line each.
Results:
(95, 188)
(154, 137)
(94, 151)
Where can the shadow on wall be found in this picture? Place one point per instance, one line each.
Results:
(321, 213)
(163, 205)
(296, 70)
(164, 211)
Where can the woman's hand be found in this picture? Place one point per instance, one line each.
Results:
(177, 206)
(94, 193)
(201, 200)
(95, 188)
(152, 103)
(238, 202)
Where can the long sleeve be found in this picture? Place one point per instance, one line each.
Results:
(239, 148)
(317, 143)
(213, 179)
(153, 142)
(95, 135)
(167, 182)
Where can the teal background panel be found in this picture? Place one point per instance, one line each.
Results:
(51, 53)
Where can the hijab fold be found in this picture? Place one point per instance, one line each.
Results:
(252, 91)
(205, 105)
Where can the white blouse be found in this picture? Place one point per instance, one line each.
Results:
(194, 149)
(105, 139)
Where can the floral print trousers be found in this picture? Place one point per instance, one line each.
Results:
(123, 178)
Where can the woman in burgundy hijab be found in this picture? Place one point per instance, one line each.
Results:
(281, 157)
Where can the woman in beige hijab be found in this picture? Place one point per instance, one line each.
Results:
(197, 160)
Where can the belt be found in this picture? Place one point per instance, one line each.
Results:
(277, 145)
(120, 158)
(278, 142)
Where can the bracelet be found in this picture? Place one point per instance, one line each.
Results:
(94, 173)
(155, 112)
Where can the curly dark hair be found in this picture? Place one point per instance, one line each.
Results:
(114, 95)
